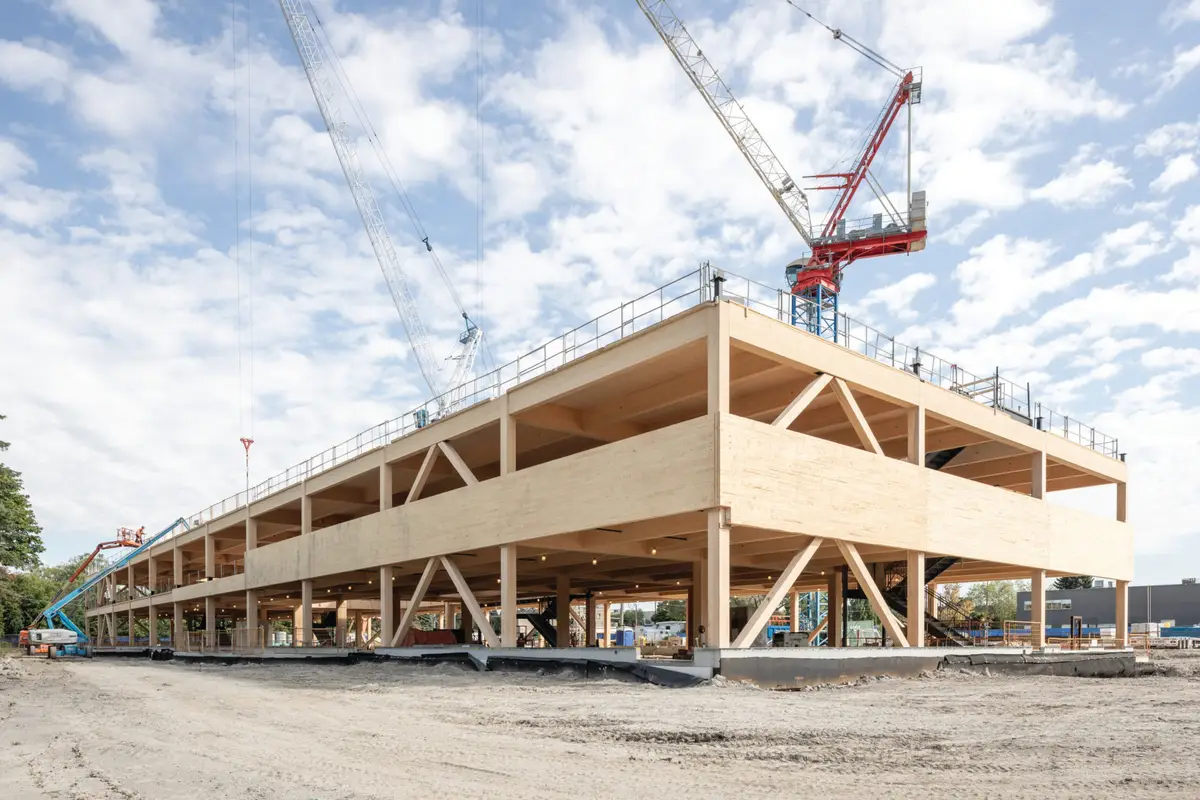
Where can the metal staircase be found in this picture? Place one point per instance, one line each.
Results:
(543, 623)
(896, 598)
(933, 569)
(898, 602)
(939, 458)
(543, 626)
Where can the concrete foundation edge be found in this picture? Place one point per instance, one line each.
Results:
(767, 670)
(799, 672)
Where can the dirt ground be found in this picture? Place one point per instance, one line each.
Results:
(111, 728)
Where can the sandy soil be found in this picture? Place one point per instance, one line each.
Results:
(141, 729)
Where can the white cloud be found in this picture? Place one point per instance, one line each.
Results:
(1182, 65)
(1005, 276)
(14, 162)
(22, 203)
(128, 24)
(1180, 169)
(1083, 181)
(962, 231)
(27, 68)
(1188, 227)
(33, 206)
(897, 298)
(1182, 12)
(1169, 139)
(1062, 393)
(1187, 231)
(1187, 359)
(1154, 208)
(1132, 244)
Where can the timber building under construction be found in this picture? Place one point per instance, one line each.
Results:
(693, 444)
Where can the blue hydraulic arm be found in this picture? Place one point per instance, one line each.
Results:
(55, 610)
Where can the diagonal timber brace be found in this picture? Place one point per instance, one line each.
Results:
(767, 607)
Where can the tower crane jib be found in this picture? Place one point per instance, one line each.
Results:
(309, 48)
(729, 111)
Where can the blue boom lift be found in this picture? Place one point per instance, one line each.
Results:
(53, 638)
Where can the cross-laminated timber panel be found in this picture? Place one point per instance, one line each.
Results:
(776, 340)
(663, 472)
(781, 480)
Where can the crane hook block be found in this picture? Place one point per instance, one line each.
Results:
(428, 246)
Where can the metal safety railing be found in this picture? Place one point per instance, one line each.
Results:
(687, 292)
(317, 637)
(1020, 633)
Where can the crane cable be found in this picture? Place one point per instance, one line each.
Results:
(250, 225)
(479, 153)
(398, 187)
(245, 400)
(487, 347)
(871, 55)
(853, 43)
(237, 211)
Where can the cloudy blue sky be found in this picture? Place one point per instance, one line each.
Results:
(1057, 142)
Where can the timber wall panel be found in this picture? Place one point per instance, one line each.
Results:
(787, 481)
(774, 339)
(667, 471)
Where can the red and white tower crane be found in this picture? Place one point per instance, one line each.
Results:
(815, 279)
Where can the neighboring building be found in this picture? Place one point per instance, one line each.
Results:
(1179, 602)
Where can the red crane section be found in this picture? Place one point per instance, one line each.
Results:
(834, 248)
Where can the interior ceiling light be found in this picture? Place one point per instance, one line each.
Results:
(593, 562)
(653, 551)
(543, 558)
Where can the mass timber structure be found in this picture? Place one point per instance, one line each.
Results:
(720, 452)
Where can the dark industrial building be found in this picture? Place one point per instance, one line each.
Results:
(1178, 603)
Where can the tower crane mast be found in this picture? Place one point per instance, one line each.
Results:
(309, 48)
(814, 279)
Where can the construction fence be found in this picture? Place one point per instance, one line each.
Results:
(246, 641)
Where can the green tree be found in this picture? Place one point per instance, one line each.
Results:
(994, 600)
(670, 611)
(635, 617)
(23, 595)
(859, 610)
(1073, 582)
(20, 535)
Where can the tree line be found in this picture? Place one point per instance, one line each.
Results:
(26, 587)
